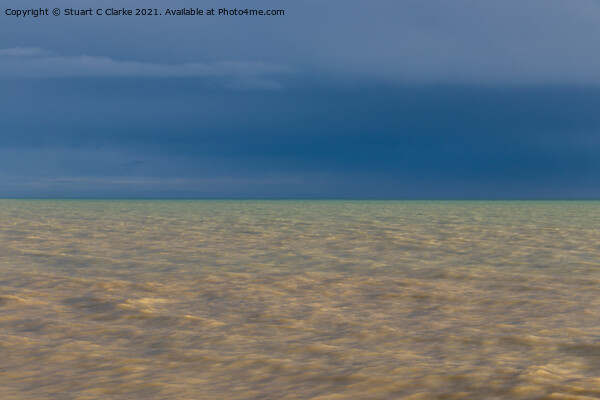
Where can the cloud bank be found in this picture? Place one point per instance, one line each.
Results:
(32, 62)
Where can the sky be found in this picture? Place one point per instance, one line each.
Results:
(390, 99)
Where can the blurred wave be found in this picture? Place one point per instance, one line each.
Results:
(299, 300)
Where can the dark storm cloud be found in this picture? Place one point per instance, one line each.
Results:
(393, 99)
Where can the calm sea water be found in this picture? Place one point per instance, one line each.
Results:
(299, 300)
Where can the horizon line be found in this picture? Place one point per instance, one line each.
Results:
(307, 198)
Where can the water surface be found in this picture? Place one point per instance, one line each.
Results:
(131, 299)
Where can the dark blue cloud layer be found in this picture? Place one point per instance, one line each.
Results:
(308, 140)
(336, 99)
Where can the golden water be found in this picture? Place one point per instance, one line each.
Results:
(299, 300)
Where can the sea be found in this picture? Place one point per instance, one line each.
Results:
(286, 299)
